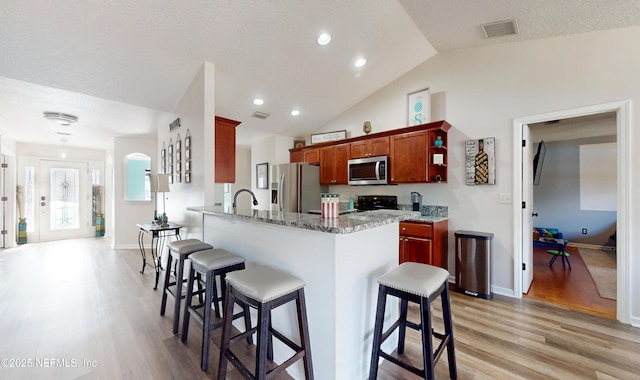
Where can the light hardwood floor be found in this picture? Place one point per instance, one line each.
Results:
(78, 303)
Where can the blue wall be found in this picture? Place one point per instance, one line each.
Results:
(557, 198)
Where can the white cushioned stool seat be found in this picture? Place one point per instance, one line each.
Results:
(263, 283)
(187, 246)
(415, 278)
(211, 259)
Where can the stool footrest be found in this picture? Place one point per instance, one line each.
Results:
(398, 362)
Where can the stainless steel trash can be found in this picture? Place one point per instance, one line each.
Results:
(473, 263)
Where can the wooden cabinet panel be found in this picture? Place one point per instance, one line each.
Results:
(425, 243)
(225, 150)
(378, 146)
(296, 156)
(333, 164)
(408, 157)
(415, 250)
(312, 156)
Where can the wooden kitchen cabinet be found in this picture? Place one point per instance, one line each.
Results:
(424, 242)
(225, 150)
(378, 146)
(437, 159)
(306, 155)
(408, 163)
(333, 164)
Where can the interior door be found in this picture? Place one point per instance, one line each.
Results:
(64, 204)
(527, 211)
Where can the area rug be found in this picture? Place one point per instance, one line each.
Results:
(602, 267)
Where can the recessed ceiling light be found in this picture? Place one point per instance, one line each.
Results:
(258, 102)
(360, 62)
(324, 39)
(295, 113)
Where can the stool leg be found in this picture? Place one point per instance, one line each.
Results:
(377, 332)
(226, 333)
(178, 300)
(215, 301)
(403, 325)
(167, 278)
(448, 330)
(187, 305)
(304, 334)
(247, 320)
(263, 340)
(427, 340)
(206, 324)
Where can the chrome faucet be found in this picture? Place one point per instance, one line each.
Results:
(235, 197)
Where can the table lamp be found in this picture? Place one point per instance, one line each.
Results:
(163, 187)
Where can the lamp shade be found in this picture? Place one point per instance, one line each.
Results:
(153, 182)
(163, 183)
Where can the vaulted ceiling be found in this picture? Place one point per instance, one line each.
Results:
(123, 66)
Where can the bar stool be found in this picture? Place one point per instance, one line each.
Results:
(265, 289)
(179, 250)
(210, 263)
(421, 284)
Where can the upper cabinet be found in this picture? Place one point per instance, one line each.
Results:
(378, 146)
(417, 154)
(333, 164)
(225, 150)
(408, 158)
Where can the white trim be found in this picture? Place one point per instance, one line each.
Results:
(623, 244)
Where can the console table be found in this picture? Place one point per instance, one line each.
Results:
(158, 235)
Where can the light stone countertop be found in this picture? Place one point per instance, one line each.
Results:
(345, 224)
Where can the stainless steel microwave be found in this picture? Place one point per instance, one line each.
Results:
(369, 171)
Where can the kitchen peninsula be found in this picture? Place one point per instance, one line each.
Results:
(338, 259)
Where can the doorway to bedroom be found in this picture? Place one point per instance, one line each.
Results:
(574, 194)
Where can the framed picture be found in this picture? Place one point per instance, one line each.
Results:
(480, 162)
(328, 136)
(187, 154)
(298, 143)
(262, 175)
(418, 107)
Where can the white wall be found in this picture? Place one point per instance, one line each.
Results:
(128, 213)
(196, 111)
(480, 91)
(274, 150)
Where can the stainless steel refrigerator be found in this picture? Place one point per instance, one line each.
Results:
(295, 187)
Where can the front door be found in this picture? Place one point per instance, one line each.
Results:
(63, 200)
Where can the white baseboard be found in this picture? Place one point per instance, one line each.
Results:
(126, 246)
(592, 246)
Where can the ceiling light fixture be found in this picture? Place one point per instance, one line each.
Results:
(258, 101)
(60, 118)
(324, 39)
(295, 113)
(360, 62)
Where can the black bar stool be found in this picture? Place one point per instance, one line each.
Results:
(421, 284)
(265, 289)
(180, 251)
(212, 264)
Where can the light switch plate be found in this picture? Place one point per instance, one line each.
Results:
(505, 197)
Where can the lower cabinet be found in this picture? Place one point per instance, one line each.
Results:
(424, 242)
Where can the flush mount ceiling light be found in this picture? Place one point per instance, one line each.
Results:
(500, 28)
(60, 118)
(324, 39)
(258, 102)
(360, 62)
(295, 113)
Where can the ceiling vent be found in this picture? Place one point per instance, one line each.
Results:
(63, 133)
(60, 118)
(260, 115)
(500, 28)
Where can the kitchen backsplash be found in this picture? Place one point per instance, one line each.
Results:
(428, 210)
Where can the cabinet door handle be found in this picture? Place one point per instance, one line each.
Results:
(404, 229)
